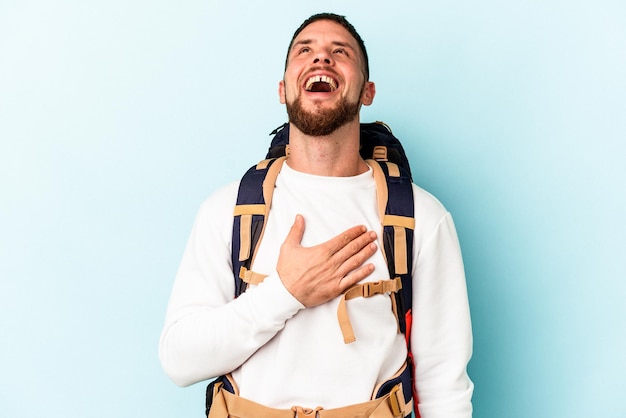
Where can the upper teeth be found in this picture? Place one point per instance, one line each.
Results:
(321, 79)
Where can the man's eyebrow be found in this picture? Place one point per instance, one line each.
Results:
(301, 42)
(310, 41)
(342, 44)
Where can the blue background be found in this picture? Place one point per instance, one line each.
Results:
(117, 118)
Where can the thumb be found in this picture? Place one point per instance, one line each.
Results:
(294, 237)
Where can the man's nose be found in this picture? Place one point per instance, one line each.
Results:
(317, 60)
(322, 56)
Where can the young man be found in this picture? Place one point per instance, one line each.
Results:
(280, 340)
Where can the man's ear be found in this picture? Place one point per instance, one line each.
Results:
(369, 91)
(281, 91)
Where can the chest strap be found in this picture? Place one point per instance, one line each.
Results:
(361, 290)
(364, 290)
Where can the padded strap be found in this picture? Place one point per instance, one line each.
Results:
(382, 193)
(392, 222)
(399, 223)
(248, 212)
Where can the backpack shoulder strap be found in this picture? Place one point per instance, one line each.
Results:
(253, 204)
(396, 207)
(394, 191)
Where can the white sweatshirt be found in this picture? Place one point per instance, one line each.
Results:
(282, 354)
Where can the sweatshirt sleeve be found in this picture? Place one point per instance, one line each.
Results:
(441, 337)
(207, 331)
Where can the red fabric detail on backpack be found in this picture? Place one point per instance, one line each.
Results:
(408, 322)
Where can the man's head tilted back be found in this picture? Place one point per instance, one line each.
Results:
(326, 78)
(343, 22)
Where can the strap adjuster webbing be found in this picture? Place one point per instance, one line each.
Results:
(364, 290)
(250, 276)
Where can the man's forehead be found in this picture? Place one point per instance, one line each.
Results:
(325, 29)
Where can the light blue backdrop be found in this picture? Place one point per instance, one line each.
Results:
(118, 117)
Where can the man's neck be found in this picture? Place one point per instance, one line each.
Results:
(334, 155)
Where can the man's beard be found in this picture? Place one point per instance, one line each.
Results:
(321, 122)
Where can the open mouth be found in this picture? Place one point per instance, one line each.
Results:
(320, 84)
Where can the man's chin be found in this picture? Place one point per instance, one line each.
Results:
(319, 126)
(321, 121)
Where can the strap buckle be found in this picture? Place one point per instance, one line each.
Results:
(379, 153)
(381, 287)
(396, 401)
(372, 288)
(306, 412)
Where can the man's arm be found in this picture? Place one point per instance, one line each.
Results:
(207, 332)
(441, 339)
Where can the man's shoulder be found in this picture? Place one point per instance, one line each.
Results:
(427, 205)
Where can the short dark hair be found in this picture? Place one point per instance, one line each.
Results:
(343, 22)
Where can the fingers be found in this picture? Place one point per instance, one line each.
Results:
(354, 242)
(315, 275)
(349, 251)
(348, 242)
(351, 239)
(353, 257)
(356, 276)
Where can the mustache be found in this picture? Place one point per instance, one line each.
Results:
(326, 69)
